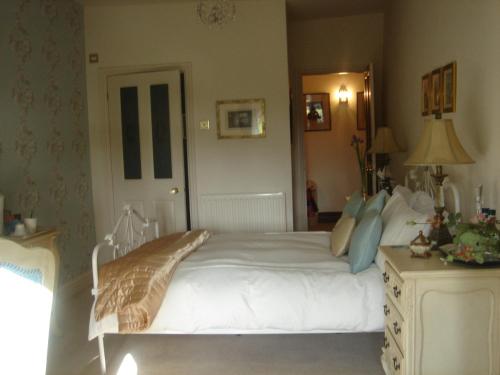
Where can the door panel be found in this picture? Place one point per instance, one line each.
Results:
(147, 146)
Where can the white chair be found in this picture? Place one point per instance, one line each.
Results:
(26, 293)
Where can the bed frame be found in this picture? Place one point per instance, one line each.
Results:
(131, 231)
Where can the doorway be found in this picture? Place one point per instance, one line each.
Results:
(147, 146)
(335, 110)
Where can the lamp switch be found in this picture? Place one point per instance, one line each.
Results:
(205, 125)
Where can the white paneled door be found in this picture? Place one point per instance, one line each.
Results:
(145, 113)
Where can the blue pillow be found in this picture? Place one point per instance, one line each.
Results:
(353, 205)
(375, 203)
(364, 241)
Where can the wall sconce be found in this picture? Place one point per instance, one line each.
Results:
(343, 95)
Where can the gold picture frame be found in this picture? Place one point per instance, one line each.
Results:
(437, 91)
(425, 96)
(449, 87)
(317, 112)
(242, 118)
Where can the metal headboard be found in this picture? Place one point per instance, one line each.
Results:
(420, 179)
(129, 233)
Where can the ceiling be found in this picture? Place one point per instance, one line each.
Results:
(297, 9)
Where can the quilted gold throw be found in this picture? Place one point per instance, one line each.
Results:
(134, 285)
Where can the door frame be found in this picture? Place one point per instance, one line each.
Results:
(299, 173)
(99, 139)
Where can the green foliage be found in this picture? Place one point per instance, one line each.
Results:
(478, 243)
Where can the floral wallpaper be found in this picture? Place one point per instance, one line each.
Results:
(44, 153)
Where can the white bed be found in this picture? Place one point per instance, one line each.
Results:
(266, 283)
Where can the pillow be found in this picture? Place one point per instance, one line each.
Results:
(395, 217)
(364, 242)
(353, 205)
(341, 235)
(422, 202)
(380, 260)
(404, 192)
(376, 203)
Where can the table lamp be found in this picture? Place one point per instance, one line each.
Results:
(438, 146)
(384, 144)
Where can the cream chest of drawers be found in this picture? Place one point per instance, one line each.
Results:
(440, 319)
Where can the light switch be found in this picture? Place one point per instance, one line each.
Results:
(205, 125)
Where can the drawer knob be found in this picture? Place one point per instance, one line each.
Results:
(397, 328)
(387, 310)
(386, 342)
(395, 363)
(397, 291)
(386, 277)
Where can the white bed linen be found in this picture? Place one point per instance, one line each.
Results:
(265, 283)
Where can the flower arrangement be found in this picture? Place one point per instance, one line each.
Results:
(474, 242)
(357, 144)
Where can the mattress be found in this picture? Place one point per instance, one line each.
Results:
(257, 283)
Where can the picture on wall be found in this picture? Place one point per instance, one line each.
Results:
(361, 111)
(425, 96)
(241, 118)
(437, 90)
(317, 112)
(449, 87)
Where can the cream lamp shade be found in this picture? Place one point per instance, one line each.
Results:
(384, 142)
(439, 145)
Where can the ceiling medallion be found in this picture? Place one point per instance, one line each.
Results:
(216, 12)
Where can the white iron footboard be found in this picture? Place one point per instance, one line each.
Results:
(135, 231)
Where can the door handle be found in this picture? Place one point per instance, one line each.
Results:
(174, 190)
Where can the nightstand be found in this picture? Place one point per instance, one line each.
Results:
(440, 319)
(45, 238)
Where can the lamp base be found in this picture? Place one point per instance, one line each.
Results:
(440, 235)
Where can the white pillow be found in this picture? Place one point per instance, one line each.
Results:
(395, 217)
(380, 260)
(422, 202)
(404, 191)
(341, 235)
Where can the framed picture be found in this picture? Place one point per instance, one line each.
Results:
(437, 91)
(317, 114)
(241, 118)
(450, 87)
(360, 111)
(425, 96)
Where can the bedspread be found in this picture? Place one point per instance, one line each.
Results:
(134, 285)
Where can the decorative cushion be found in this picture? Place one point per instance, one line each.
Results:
(376, 203)
(364, 242)
(341, 235)
(395, 217)
(353, 205)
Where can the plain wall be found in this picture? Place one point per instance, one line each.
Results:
(320, 46)
(330, 158)
(245, 59)
(422, 35)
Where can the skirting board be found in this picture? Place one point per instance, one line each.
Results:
(72, 287)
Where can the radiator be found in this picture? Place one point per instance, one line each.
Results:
(243, 212)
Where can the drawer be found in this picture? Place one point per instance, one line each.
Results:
(395, 324)
(394, 287)
(394, 359)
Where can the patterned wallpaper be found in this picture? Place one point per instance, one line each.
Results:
(44, 146)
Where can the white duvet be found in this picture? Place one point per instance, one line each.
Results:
(266, 283)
